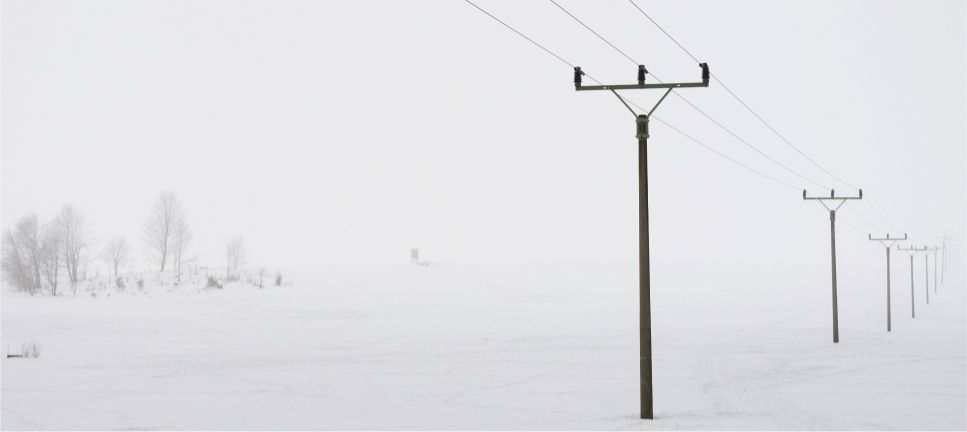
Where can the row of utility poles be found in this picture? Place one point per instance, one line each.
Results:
(942, 266)
(832, 203)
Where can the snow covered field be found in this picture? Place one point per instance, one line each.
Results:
(490, 347)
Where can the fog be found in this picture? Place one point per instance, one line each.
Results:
(344, 133)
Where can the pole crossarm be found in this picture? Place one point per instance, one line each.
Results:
(885, 241)
(641, 86)
(641, 81)
(912, 249)
(832, 197)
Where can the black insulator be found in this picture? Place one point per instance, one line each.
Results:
(705, 73)
(577, 76)
(641, 74)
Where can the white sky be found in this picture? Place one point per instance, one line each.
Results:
(348, 132)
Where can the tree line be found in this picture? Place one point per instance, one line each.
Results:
(36, 254)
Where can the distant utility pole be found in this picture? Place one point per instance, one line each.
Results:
(934, 249)
(926, 272)
(912, 250)
(943, 259)
(888, 243)
(644, 269)
(832, 236)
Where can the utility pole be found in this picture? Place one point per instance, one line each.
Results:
(926, 272)
(644, 269)
(943, 259)
(935, 269)
(888, 243)
(832, 237)
(912, 250)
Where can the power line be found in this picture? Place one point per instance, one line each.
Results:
(689, 137)
(876, 228)
(595, 33)
(724, 155)
(693, 139)
(663, 30)
(521, 34)
(529, 39)
(743, 141)
(851, 226)
(695, 107)
(679, 131)
(742, 102)
(759, 117)
(783, 138)
(883, 217)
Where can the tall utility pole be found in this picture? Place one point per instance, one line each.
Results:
(888, 243)
(935, 249)
(912, 250)
(644, 269)
(832, 237)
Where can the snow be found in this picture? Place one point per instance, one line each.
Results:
(460, 346)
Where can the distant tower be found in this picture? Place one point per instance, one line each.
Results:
(415, 256)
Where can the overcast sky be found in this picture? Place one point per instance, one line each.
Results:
(346, 132)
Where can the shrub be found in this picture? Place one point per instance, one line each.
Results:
(278, 278)
(140, 283)
(119, 282)
(30, 349)
(212, 283)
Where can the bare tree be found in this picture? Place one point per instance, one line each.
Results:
(16, 267)
(74, 244)
(52, 240)
(159, 229)
(234, 256)
(181, 238)
(21, 255)
(116, 253)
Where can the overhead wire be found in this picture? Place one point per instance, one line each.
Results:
(742, 102)
(872, 226)
(520, 34)
(759, 117)
(692, 105)
(882, 216)
(592, 31)
(712, 149)
(669, 125)
(689, 137)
